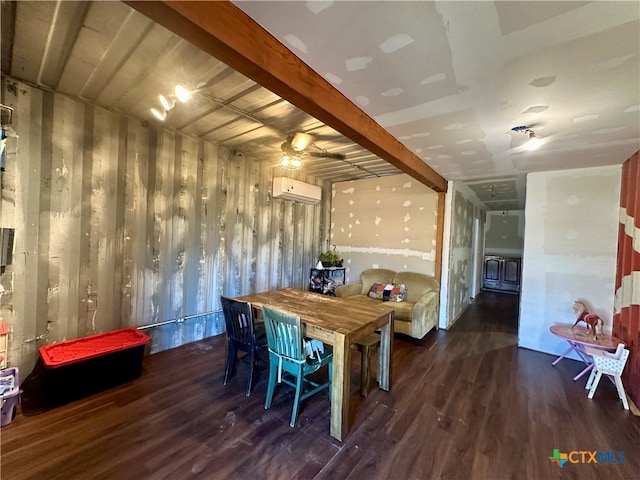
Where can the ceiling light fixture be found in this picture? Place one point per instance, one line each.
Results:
(159, 114)
(167, 102)
(533, 143)
(182, 93)
(291, 162)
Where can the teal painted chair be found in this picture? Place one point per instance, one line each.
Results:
(288, 362)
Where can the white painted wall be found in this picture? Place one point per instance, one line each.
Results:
(505, 233)
(570, 247)
(388, 222)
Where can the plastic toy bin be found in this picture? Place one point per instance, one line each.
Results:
(87, 365)
(10, 398)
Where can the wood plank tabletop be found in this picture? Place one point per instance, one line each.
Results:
(330, 313)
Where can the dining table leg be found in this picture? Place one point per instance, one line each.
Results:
(340, 387)
(384, 354)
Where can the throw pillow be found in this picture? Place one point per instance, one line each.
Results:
(397, 293)
(376, 291)
(388, 292)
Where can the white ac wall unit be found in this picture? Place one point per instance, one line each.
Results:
(296, 190)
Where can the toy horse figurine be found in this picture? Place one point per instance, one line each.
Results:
(593, 321)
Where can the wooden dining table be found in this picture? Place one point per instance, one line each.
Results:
(340, 323)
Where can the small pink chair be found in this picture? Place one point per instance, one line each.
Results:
(610, 364)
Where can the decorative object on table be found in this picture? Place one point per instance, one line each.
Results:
(288, 360)
(319, 266)
(610, 364)
(593, 321)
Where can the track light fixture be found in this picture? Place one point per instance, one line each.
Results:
(182, 93)
(169, 101)
(159, 114)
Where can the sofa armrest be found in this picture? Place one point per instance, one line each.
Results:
(425, 314)
(349, 289)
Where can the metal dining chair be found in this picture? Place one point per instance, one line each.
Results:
(288, 362)
(243, 335)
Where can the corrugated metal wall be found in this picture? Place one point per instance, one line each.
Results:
(118, 223)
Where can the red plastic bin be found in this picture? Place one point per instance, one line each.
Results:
(83, 366)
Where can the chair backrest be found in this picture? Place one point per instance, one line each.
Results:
(610, 364)
(617, 354)
(238, 319)
(284, 333)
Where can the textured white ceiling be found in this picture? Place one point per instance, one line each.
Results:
(450, 79)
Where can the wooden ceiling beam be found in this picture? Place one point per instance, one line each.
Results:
(227, 33)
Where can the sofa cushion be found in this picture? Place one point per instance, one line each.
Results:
(375, 275)
(417, 284)
(402, 309)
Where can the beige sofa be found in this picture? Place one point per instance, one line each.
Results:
(417, 314)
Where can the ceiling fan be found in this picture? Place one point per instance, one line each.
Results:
(298, 144)
(533, 143)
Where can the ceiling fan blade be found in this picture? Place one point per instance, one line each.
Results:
(335, 156)
(300, 141)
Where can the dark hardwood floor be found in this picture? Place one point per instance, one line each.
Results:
(464, 404)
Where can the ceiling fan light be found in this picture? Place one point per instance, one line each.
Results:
(160, 115)
(533, 143)
(182, 93)
(167, 103)
(291, 162)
